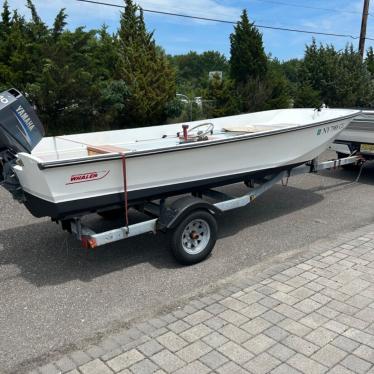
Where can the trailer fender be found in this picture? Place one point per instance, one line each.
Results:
(181, 208)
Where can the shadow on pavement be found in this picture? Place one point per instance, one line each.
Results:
(277, 202)
(350, 175)
(45, 255)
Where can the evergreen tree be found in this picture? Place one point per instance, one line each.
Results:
(145, 70)
(340, 77)
(37, 41)
(91, 80)
(193, 70)
(69, 91)
(260, 84)
(222, 96)
(278, 87)
(17, 67)
(5, 47)
(370, 60)
(306, 96)
(5, 22)
(248, 59)
(59, 24)
(291, 69)
(80, 80)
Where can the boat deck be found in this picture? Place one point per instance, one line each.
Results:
(169, 136)
(66, 147)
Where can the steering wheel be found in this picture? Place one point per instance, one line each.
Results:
(209, 127)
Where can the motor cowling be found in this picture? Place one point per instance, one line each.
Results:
(20, 131)
(20, 127)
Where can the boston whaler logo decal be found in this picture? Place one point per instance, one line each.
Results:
(87, 177)
(332, 128)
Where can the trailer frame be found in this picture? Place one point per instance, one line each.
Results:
(170, 218)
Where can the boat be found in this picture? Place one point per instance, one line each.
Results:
(73, 175)
(358, 137)
(360, 130)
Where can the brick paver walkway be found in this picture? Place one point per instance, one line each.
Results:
(312, 313)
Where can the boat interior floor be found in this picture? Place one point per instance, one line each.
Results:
(67, 147)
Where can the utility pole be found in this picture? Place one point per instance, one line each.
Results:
(365, 15)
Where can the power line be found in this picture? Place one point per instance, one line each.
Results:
(161, 12)
(311, 7)
(228, 22)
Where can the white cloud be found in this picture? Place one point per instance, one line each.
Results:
(83, 13)
(201, 8)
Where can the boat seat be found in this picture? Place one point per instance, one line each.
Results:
(94, 150)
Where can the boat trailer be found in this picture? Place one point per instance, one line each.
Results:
(190, 219)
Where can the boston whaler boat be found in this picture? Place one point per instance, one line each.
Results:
(67, 177)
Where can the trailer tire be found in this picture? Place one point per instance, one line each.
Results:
(193, 239)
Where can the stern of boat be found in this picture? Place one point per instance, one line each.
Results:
(20, 131)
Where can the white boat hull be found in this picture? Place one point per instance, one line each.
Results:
(66, 188)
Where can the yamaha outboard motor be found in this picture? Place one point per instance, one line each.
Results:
(20, 131)
(20, 128)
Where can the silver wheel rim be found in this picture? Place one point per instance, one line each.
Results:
(195, 236)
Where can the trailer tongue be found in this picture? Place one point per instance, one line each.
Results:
(20, 131)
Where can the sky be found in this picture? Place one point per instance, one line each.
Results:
(178, 35)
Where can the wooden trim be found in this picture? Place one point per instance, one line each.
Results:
(94, 150)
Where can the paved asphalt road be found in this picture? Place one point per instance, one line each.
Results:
(54, 297)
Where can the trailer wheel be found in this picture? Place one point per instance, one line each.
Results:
(194, 237)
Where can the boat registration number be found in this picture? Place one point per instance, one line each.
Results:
(367, 148)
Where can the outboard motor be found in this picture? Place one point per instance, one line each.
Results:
(20, 131)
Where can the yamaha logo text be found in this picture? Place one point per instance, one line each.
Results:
(25, 117)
